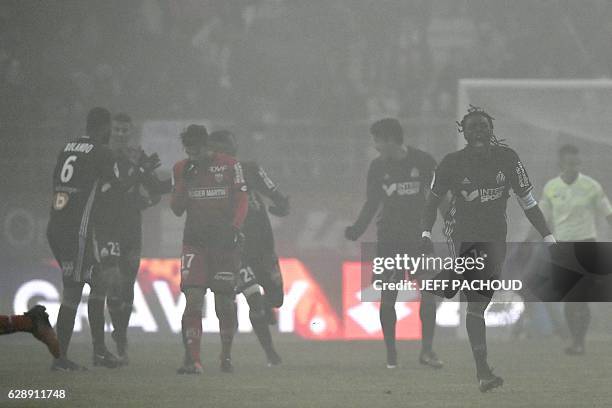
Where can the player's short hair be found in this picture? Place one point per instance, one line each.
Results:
(568, 149)
(122, 117)
(225, 138)
(97, 118)
(194, 134)
(388, 129)
(221, 136)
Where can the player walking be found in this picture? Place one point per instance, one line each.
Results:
(210, 188)
(259, 261)
(480, 177)
(398, 180)
(571, 204)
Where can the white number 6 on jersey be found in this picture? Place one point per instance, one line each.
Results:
(67, 169)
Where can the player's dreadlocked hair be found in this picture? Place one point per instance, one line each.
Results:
(474, 111)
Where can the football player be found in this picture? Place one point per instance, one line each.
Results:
(82, 232)
(210, 188)
(143, 194)
(259, 267)
(479, 178)
(35, 321)
(398, 181)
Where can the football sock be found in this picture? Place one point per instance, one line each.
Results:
(65, 326)
(115, 310)
(71, 297)
(578, 316)
(259, 321)
(427, 313)
(192, 334)
(15, 323)
(95, 313)
(476, 329)
(388, 319)
(225, 308)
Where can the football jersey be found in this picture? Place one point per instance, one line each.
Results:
(257, 228)
(399, 186)
(132, 201)
(572, 209)
(84, 169)
(480, 186)
(207, 192)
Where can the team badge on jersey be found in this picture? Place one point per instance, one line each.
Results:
(466, 181)
(501, 177)
(60, 200)
(415, 172)
(219, 177)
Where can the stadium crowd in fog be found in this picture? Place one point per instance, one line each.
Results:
(204, 54)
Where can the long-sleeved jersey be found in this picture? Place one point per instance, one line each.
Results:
(257, 228)
(399, 186)
(84, 172)
(213, 193)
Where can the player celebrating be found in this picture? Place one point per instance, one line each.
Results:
(398, 179)
(259, 260)
(480, 177)
(145, 193)
(35, 321)
(82, 232)
(210, 188)
(571, 203)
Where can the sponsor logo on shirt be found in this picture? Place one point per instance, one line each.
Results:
(522, 175)
(406, 188)
(490, 194)
(204, 193)
(217, 169)
(470, 197)
(238, 175)
(485, 194)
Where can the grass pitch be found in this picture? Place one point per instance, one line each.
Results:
(313, 374)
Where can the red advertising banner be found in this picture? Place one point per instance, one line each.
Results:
(361, 321)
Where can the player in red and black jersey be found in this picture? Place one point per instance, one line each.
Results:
(397, 183)
(479, 178)
(210, 188)
(259, 267)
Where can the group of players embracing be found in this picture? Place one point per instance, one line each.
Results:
(103, 181)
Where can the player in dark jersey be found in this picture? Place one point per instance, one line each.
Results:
(398, 181)
(143, 194)
(480, 177)
(210, 188)
(259, 267)
(35, 321)
(82, 232)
